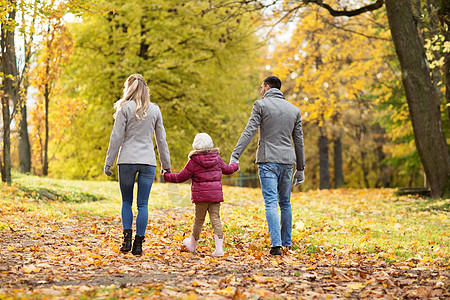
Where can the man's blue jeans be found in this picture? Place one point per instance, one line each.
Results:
(127, 178)
(276, 182)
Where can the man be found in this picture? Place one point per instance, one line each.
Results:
(280, 124)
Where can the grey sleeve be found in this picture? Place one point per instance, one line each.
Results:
(116, 138)
(249, 132)
(161, 143)
(297, 137)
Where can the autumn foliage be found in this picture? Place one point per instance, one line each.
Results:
(204, 61)
(60, 239)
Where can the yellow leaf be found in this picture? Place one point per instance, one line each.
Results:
(355, 286)
(299, 225)
(228, 291)
(30, 269)
(262, 292)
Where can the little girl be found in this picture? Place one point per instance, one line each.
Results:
(205, 168)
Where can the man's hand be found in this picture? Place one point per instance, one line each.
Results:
(166, 171)
(299, 178)
(107, 171)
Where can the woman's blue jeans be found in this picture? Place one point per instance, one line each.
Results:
(276, 182)
(127, 178)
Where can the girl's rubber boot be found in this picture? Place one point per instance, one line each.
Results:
(137, 245)
(126, 245)
(219, 247)
(190, 243)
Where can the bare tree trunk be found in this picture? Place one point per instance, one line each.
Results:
(444, 17)
(6, 168)
(423, 100)
(338, 172)
(24, 142)
(446, 69)
(324, 163)
(9, 91)
(47, 90)
(46, 99)
(383, 170)
(379, 134)
(364, 167)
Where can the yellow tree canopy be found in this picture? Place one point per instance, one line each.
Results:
(333, 61)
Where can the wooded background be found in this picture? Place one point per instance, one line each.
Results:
(370, 77)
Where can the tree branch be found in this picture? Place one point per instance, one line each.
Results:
(348, 13)
(356, 32)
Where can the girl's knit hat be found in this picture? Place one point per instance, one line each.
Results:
(202, 141)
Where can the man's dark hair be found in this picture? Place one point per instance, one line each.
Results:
(273, 81)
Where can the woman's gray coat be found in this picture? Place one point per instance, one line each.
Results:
(132, 140)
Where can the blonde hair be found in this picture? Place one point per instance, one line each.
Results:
(135, 88)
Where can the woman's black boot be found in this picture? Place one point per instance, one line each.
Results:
(126, 245)
(137, 245)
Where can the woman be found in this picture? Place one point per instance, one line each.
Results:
(136, 119)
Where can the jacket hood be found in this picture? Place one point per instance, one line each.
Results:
(206, 159)
(273, 93)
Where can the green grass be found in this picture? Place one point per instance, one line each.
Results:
(398, 228)
(92, 198)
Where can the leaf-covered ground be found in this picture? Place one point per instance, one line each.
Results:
(60, 239)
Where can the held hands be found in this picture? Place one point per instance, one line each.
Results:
(234, 160)
(107, 171)
(299, 178)
(164, 172)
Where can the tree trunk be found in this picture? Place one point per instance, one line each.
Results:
(364, 168)
(380, 140)
(384, 179)
(423, 100)
(338, 173)
(9, 91)
(24, 142)
(444, 17)
(446, 69)
(46, 99)
(324, 163)
(383, 170)
(6, 167)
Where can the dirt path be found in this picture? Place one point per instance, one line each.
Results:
(74, 258)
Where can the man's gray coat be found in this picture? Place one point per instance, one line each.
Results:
(281, 135)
